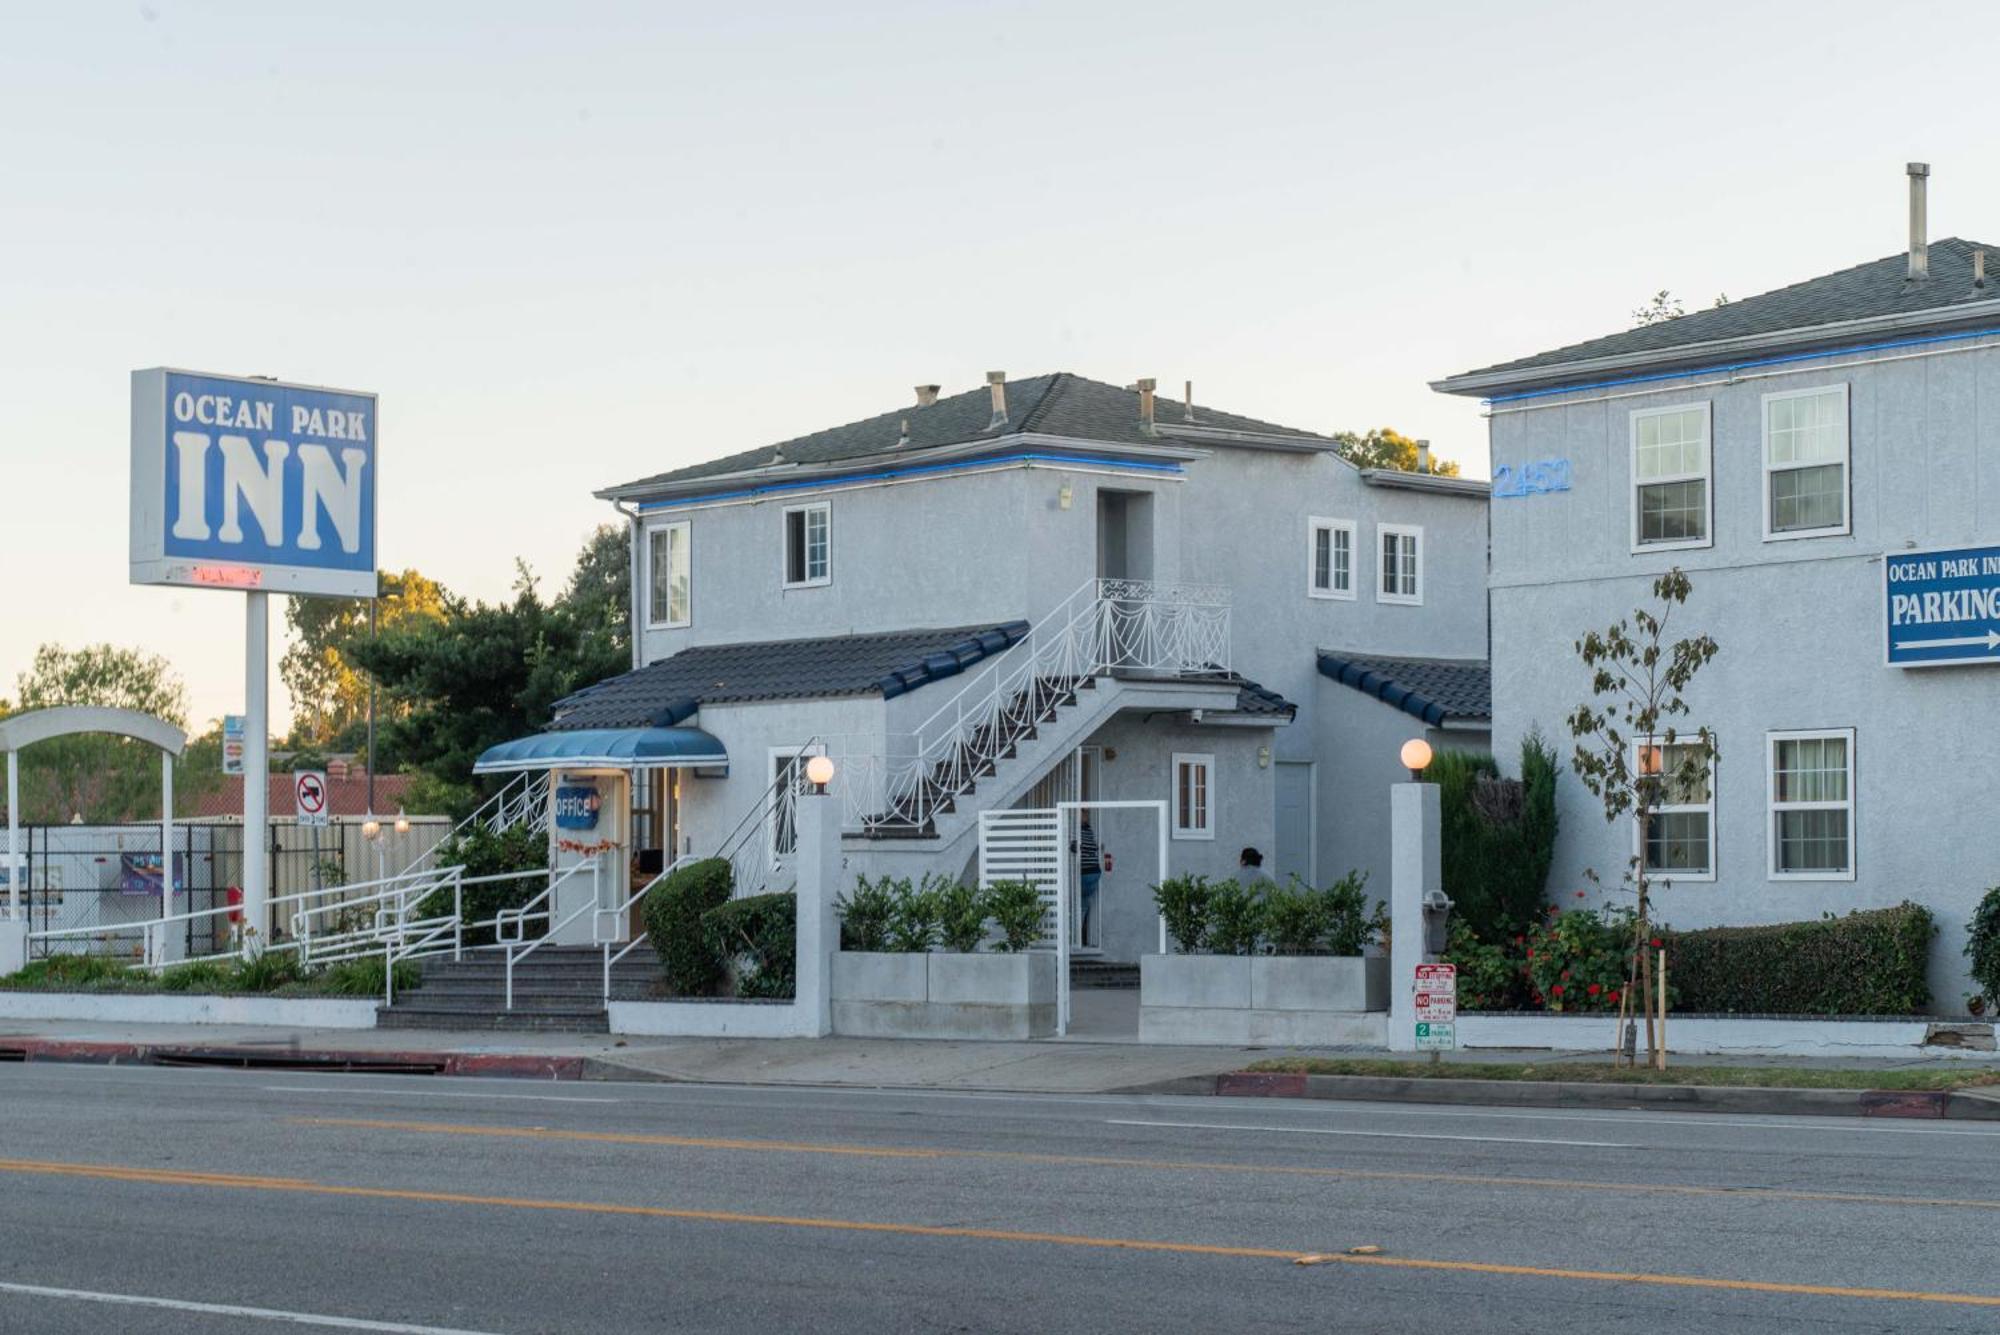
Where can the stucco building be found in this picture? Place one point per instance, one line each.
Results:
(1781, 450)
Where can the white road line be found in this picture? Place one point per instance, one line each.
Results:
(1383, 1135)
(229, 1309)
(431, 1094)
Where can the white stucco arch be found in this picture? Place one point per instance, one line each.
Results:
(40, 725)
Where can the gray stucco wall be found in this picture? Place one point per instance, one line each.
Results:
(1799, 624)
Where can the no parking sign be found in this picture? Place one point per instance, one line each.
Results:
(309, 796)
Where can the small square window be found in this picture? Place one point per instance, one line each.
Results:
(808, 546)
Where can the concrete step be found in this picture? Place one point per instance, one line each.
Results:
(573, 1021)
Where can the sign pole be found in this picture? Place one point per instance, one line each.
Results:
(256, 762)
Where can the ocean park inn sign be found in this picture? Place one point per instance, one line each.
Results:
(1943, 606)
(252, 484)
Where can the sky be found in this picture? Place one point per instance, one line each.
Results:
(570, 245)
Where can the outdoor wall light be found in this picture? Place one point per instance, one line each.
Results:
(1064, 495)
(371, 828)
(1416, 756)
(819, 772)
(1263, 757)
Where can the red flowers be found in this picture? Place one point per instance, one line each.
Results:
(1613, 998)
(1594, 989)
(1656, 943)
(1557, 990)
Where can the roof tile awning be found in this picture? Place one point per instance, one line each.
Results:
(1436, 690)
(605, 748)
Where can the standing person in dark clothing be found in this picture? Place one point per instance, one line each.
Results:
(1090, 871)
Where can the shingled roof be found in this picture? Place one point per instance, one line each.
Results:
(1061, 404)
(671, 690)
(1436, 690)
(1880, 289)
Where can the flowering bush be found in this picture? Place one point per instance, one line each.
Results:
(1578, 961)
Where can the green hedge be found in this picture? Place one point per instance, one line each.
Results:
(1496, 837)
(1873, 962)
(757, 938)
(674, 910)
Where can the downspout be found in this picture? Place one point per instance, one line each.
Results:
(634, 563)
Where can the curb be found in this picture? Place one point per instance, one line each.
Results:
(504, 1065)
(1931, 1104)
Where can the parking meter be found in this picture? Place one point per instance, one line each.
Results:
(1437, 915)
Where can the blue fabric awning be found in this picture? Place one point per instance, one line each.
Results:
(606, 748)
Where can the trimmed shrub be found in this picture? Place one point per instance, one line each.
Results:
(76, 973)
(1497, 836)
(1184, 901)
(484, 853)
(1299, 920)
(865, 914)
(1489, 979)
(914, 924)
(1016, 909)
(1235, 918)
(1871, 962)
(1982, 947)
(1579, 961)
(757, 937)
(961, 917)
(674, 910)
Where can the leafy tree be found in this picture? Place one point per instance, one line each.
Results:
(483, 673)
(329, 693)
(1637, 680)
(1664, 305)
(101, 779)
(1385, 447)
(599, 596)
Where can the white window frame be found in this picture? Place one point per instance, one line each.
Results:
(1382, 594)
(777, 755)
(785, 579)
(1706, 476)
(1316, 526)
(1846, 524)
(1206, 763)
(662, 618)
(1639, 835)
(1772, 807)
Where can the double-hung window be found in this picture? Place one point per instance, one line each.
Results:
(670, 563)
(1194, 797)
(1678, 837)
(1805, 463)
(808, 546)
(1812, 805)
(1671, 500)
(1330, 558)
(1402, 548)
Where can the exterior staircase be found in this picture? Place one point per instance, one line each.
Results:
(557, 989)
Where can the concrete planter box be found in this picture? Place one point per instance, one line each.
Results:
(941, 995)
(1255, 999)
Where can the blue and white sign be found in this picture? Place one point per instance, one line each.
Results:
(577, 805)
(1943, 606)
(252, 484)
(1536, 479)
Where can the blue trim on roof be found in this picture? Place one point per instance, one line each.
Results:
(611, 748)
(1382, 688)
(915, 470)
(1722, 367)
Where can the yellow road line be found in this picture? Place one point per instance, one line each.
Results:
(228, 1181)
(1109, 1161)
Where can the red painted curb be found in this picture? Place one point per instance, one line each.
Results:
(1903, 1103)
(1262, 1084)
(506, 1065)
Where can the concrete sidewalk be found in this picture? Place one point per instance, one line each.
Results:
(1062, 1067)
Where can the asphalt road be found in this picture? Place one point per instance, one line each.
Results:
(161, 1200)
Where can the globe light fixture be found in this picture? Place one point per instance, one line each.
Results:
(819, 772)
(371, 828)
(402, 822)
(1416, 757)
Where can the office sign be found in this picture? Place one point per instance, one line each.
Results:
(252, 484)
(577, 805)
(1942, 606)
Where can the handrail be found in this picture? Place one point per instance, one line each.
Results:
(614, 914)
(523, 797)
(522, 915)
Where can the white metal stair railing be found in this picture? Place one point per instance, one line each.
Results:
(540, 909)
(522, 799)
(1105, 626)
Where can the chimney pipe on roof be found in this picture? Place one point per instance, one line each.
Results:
(1187, 410)
(1979, 268)
(1423, 456)
(904, 438)
(926, 395)
(1920, 252)
(996, 381)
(1146, 406)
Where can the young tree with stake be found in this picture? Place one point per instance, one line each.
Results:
(1630, 755)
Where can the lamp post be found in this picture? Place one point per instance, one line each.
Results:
(1416, 757)
(1415, 878)
(371, 830)
(819, 773)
